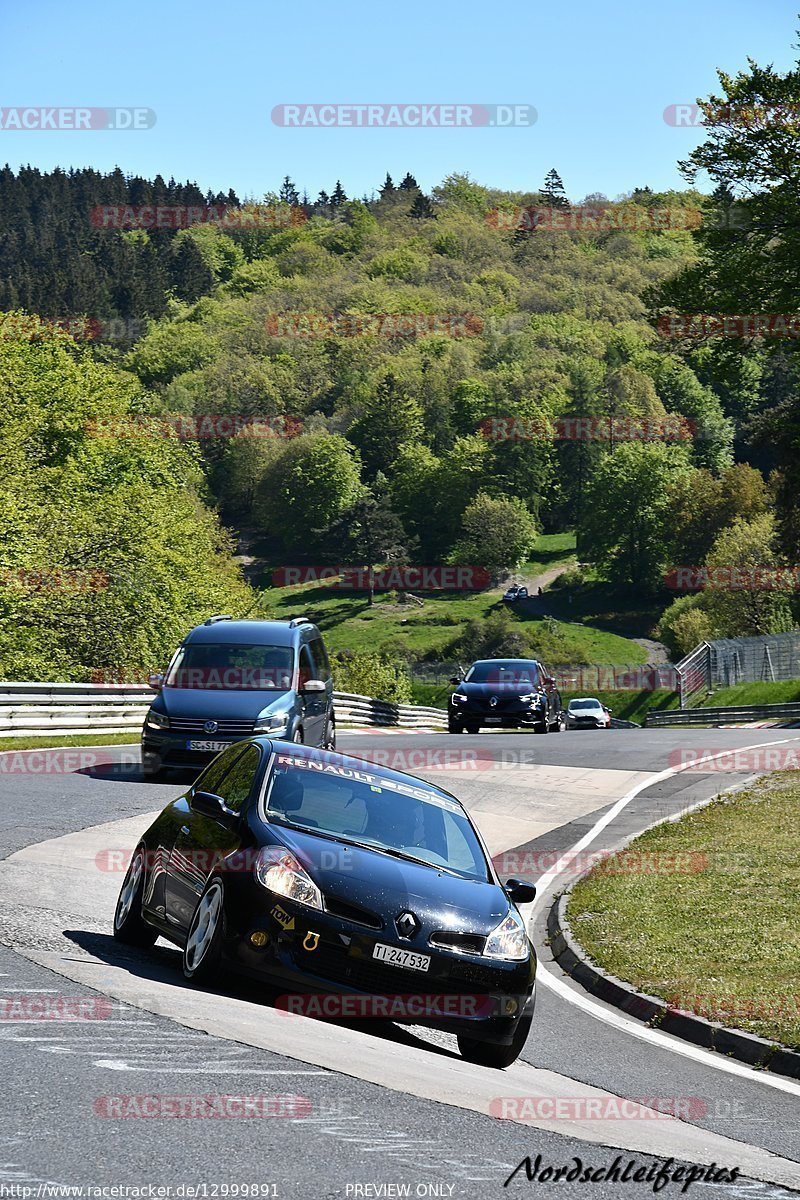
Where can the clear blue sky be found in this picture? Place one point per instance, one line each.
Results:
(599, 74)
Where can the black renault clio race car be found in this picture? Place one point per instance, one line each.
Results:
(323, 873)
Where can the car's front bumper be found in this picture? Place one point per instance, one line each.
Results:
(309, 951)
(509, 716)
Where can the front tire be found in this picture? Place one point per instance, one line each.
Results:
(489, 1054)
(202, 953)
(130, 926)
(454, 726)
(472, 727)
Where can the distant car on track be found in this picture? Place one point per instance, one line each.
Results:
(322, 873)
(587, 713)
(517, 591)
(505, 693)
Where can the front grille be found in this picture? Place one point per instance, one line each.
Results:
(225, 728)
(352, 912)
(467, 943)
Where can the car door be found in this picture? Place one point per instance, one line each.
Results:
(315, 704)
(202, 841)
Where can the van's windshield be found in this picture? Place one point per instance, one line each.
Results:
(223, 666)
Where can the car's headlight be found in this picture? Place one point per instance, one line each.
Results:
(280, 872)
(157, 720)
(509, 940)
(272, 723)
(459, 698)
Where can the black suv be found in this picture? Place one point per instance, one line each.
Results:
(505, 693)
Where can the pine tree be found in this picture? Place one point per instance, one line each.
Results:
(323, 199)
(192, 277)
(288, 192)
(553, 190)
(339, 196)
(421, 207)
(388, 186)
(409, 183)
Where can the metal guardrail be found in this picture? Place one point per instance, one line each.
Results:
(58, 709)
(724, 716)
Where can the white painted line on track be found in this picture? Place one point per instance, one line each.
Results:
(609, 1016)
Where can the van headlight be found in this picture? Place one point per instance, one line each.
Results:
(279, 871)
(157, 720)
(459, 698)
(272, 723)
(509, 940)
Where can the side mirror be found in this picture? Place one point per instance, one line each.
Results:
(520, 892)
(155, 680)
(609, 711)
(313, 686)
(454, 679)
(209, 805)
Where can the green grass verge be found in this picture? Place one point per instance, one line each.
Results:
(724, 941)
(72, 739)
(784, 692)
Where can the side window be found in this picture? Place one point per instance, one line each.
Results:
(238, 783)
(211, 779)
(307, 669)
(319, 655)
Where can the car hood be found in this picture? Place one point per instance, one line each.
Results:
(481, 691)
(216, 703)
(389, 886)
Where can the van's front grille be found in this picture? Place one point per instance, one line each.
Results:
(225, 728)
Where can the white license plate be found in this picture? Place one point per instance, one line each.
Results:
(401, 958)
(494, 720)
(207, 747)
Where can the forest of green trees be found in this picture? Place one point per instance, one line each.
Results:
(389, 459)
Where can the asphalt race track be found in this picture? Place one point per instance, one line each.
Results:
(381, 1107)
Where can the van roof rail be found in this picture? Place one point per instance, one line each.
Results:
(299, 621)
(218, 617)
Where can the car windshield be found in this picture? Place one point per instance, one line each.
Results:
(585, 704)
(398, 816)
(504, 674)
(228, 667)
